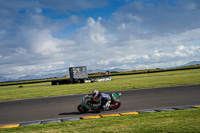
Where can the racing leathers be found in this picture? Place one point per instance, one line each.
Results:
(102, 97)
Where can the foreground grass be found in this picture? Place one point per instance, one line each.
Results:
(182, 121)
(126, 82)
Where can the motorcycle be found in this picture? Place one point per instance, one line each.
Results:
(87, 103)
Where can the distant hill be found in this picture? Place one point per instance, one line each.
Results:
(191, 63)
(101, 70)
(28, 77)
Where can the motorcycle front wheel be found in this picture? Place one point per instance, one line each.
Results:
(115, 104)
(82, 109)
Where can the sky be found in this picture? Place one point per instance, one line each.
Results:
(43, 38)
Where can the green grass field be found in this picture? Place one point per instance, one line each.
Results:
(126, 82)
(179, 121)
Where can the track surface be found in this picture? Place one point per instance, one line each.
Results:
(66, 106)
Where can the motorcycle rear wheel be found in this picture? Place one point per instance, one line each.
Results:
(82, 109)
(115, 104)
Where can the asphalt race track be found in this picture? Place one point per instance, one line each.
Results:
(66, 106)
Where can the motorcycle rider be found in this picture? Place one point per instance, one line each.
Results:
(98, 97)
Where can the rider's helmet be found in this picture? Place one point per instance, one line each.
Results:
(95, 93)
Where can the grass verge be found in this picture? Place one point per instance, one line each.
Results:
(179, 121)
(126, 82)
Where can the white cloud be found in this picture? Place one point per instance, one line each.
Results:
(94, 30)
(158, 16)
(187, 51)
(42, 42)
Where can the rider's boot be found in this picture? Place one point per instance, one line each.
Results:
(107, 105)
